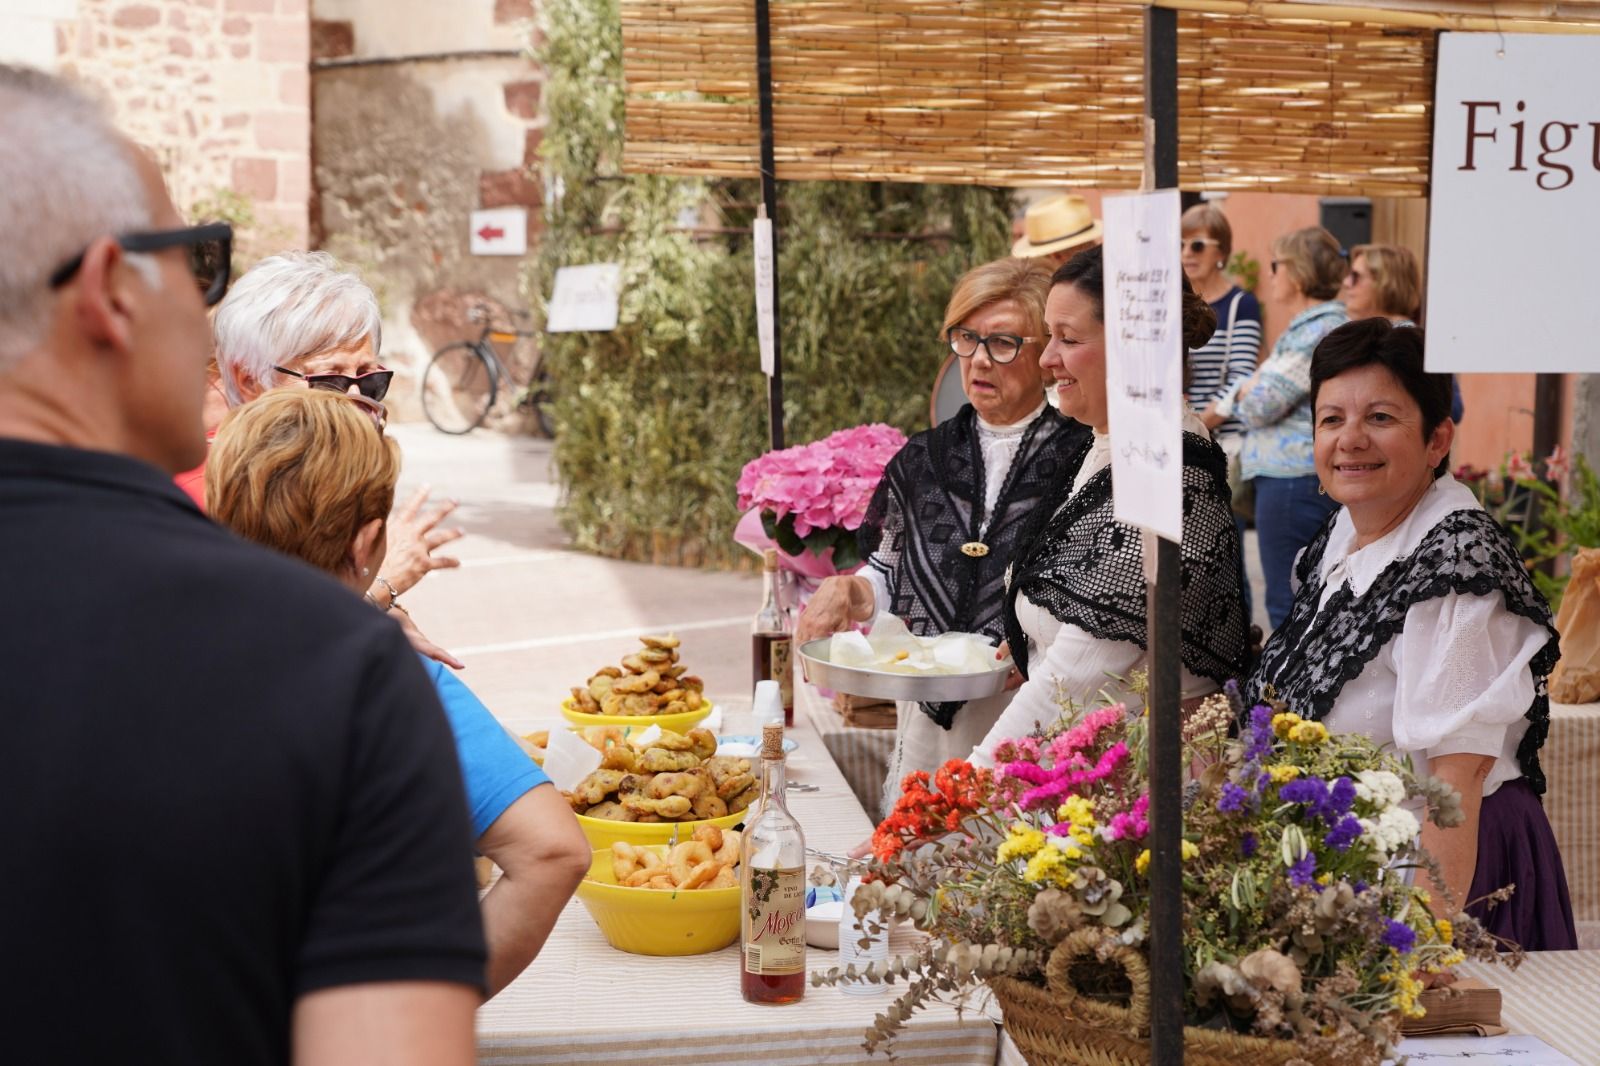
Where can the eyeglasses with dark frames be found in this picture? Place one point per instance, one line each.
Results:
(374, 384)
(210, 255)
(1002, 347)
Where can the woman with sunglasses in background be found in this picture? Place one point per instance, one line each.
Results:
(310, 475)
(1385, 281)
(1274, 405)
(940, 530)
(294, 321)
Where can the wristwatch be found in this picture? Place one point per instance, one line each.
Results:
(394, 595)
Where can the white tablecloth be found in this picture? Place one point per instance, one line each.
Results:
(1571, 760)
(583, 1002)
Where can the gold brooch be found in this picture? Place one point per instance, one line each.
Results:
(977, 549)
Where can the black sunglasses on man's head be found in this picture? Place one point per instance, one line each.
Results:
(210, 255)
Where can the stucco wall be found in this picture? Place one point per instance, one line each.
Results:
(423, 113)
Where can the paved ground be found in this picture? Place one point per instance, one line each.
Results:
(530, 617)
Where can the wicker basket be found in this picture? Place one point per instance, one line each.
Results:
(1055, 1026)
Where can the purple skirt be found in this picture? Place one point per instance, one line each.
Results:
(1516, 846)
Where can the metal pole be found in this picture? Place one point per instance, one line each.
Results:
(1163, 605)
(769, 196)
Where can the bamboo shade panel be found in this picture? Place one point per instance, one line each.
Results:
(1032, 92)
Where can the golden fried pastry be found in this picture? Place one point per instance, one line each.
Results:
(688, 785)
(728, 853)
(602, 737)
(620, 757)
(708, 805)
(671, 807)
(606, 671)
(600, 688)
(703, 742)
(594, 788)
(670, 742)
(583, 700)
(685, 857)
(667, 642)
(539, 738)
(743, 800)
(653, 657)
(673, 694)
(725, 878)
(633, 664)
(660, 760)
(674, 672)
(702, 874)
(692, 682)
(611, 811)
(664, 686)
(624, 859)
(637, 684)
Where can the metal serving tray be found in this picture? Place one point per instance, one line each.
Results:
(858, 681)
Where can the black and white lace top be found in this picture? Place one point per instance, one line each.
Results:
(1432, 638)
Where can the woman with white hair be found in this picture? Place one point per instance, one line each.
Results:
(297, 320)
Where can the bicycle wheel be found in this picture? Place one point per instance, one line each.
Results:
(541, 398)
(459, 388)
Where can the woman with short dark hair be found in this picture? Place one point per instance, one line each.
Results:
(1416, 624)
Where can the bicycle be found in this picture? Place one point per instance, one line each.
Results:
(464, 378)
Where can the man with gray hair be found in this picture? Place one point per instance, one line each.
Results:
(217, 852)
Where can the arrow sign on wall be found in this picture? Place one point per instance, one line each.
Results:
(501, 231)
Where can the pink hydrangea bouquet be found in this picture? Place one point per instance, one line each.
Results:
(810, 500)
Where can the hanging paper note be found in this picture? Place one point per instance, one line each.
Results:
(765, 271)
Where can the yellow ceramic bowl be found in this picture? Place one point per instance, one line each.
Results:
(655, 921)
(681, 722)
(604, 832)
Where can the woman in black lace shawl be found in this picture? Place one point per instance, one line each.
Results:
(1414, 622)
(942, 526)
(1075, 608)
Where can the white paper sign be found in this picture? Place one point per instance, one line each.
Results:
(1465, 1050)
(585, 299)
(501, 231)
(765, 270)
(1514, 217)
(1144, 359)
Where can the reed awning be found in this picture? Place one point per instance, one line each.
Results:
(1305, 97)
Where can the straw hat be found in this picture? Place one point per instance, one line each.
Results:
(1055, 224)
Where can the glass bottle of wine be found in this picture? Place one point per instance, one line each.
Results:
(772, 889)
(772, 639)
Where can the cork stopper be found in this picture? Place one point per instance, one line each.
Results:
(772, 740)
(769, 560)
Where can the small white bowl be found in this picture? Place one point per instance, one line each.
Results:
(822, 924)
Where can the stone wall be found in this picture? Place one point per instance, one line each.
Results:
(217, 89)
(423, 113)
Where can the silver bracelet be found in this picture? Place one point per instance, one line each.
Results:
(394, 596)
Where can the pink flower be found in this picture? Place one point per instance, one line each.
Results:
(1132, 823)
(1467, 472)
(826, 484)
(1518, 468)
(1051, 784)
(1556, 465)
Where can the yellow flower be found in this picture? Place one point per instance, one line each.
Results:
(1283, 772)
(1282, 723)
(1048, 865)
(1142, 863)
(1083, 836)
(1407, 988)
(1445, 930)
(1309, 733)
(1189, 850)
(1023, 839)
(1076, 810)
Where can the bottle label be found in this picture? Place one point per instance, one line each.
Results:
(781, 653)
(775, 921)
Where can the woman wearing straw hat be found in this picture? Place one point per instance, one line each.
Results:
(1055, 228)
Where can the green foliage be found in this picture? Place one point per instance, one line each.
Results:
(1246, 270)
(657, 418)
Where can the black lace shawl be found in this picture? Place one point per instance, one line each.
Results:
(1087, 569)
(1313, 654)
(930, 503)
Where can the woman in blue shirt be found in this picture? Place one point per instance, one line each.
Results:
(309, 473)
(1274, 405)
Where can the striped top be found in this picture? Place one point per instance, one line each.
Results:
(1222, 363)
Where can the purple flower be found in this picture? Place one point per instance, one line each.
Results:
(1247, 845)
(1304, 872)
(1399, 936)
(1233, 798)
(1341, 796)
(1360, 887)
(1347, 832)
(1261, 737)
